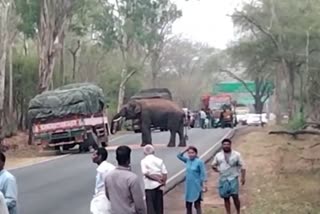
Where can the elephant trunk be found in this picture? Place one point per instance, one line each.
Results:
(115, 123)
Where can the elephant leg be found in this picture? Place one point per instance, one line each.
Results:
(182, 138)
(146, 134)
(172, 142)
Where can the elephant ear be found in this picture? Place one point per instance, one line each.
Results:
(137, 107)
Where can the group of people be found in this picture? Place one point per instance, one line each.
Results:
(118, 189)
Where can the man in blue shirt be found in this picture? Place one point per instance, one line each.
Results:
(8, 186)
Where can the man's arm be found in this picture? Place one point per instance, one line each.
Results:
(137, 196)
(214, 164)
(164, 173)
(106, 189)
(145, 172)
(10, 192)
(243, 170)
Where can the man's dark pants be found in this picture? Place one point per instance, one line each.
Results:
(154, 201)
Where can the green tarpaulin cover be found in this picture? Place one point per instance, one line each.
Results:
(73, 99)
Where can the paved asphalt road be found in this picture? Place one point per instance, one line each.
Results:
(65, 186)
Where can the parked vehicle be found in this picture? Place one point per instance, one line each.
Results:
(68, 116)
(242, 112)
(257, 119)
(214, 106)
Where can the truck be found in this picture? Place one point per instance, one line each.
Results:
(71, 115)
(221, 108)
(151, 93)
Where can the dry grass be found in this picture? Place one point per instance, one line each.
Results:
(282, 174)
(21, 154)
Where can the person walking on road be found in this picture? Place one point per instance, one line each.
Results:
(100, 204)
(123, 187)
(155, 177)
(196, 179)
(8, 186)
(230, 165)
(203, 117)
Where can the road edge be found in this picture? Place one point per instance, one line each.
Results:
(179, 177)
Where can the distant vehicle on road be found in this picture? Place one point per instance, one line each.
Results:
(68, 116)
(257, 119)
(242, 112)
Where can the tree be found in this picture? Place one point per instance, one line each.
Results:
(164, 14)
(124, 25)
(285, 30)
(7, 11)
(53, 22)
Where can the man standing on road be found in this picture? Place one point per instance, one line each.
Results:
(100, 204)
(230, 166)
(203, 117)
(155, 176)
(8, 186)
(123, 188)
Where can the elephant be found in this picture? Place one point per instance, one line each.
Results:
(155, 112)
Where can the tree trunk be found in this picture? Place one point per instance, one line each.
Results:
(10, 83)
(74, 54)
(61, 76)
(277, 108)
(3, 55)
(154, 68)
(53, 18)
(122, 89)
(258, 105)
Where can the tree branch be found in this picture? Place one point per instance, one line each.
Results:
(240, 80)
(253, 22)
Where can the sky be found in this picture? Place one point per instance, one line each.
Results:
(206, 21)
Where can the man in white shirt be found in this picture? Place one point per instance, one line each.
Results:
(229, 164)
(3, 205)
(100, 203)
(155, 176)
(203, 117)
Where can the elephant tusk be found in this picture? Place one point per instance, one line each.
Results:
(116, 120)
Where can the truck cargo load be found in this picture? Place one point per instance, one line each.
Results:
(74, 99)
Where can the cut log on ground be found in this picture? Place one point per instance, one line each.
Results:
(295, 134)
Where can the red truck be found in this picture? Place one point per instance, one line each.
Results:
(215, 105)
(72, 115)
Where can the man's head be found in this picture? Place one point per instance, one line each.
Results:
(123, 155)
(2, 160)
(148, 150)
(99, 155)
(226, 145)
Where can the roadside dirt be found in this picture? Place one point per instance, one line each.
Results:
(282, 176)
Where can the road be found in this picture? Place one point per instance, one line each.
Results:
(65, 185)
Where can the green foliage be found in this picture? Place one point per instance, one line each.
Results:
(29, 11)
(25, 75)
(297, 122)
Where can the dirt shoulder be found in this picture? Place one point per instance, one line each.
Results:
(282, 176)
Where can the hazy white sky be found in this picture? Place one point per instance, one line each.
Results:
(206, 21)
